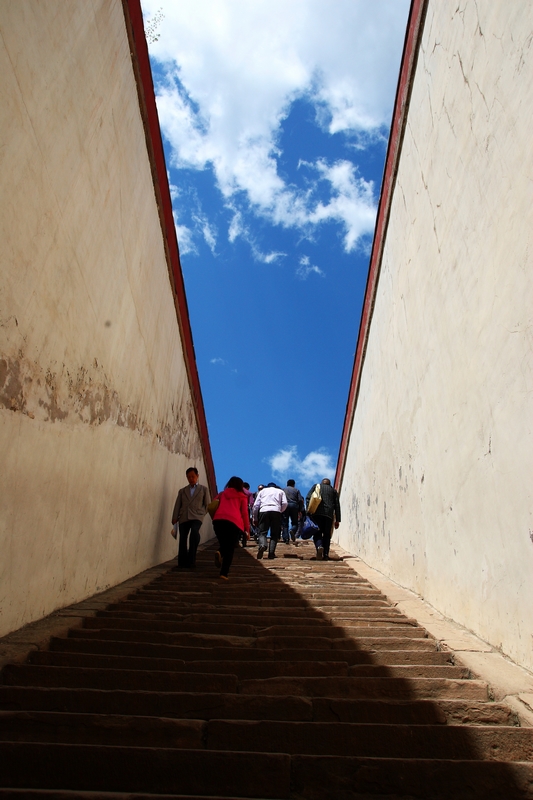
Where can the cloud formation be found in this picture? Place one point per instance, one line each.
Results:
(286, 464)
(305, 269)
(232, 72)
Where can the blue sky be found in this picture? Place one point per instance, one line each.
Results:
(275, 119)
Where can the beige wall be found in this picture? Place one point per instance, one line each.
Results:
(439, 470)
(97, 423)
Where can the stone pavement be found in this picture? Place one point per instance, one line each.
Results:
(294, 679)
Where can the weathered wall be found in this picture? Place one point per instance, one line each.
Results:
(437, 482)
(97, 420)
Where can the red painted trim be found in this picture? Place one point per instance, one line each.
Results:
(399, 117)
(143, 72)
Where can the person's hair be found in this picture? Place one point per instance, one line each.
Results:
(290, 482)
(326, 480)
(235, 483)
(261, 486)
(246, 485)
(191, 469)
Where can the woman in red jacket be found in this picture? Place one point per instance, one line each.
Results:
(229, 521)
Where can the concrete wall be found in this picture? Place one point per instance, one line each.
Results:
(438, 473)
(97, 420)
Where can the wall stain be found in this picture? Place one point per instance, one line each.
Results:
(86, 397)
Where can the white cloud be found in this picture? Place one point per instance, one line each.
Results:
(352, 202)
(218, 361)
(233, 71)
(238, 228)
(208, 231)
(202, 226)
(185, 239)
(316, 465)
(306, 268)
(266, 258)
(184, 234)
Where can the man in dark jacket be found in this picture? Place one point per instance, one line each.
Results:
(326, 516)
(295, 504)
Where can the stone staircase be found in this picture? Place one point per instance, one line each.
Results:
(295, 679)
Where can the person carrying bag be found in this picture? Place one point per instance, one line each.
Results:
(326, 515)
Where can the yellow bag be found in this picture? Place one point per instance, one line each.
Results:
(314, 500)
(212, 507)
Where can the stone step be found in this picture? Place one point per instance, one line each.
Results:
(376, 688)
(323, 628)
(243, 618)
(365, 599)
(61, 794)
(103, 729)
(160, 637)
(145, 656)
(241, 668)
(181, 705)
(275, 603)
(273, 607)
(213, 612)
(376, 741)
(332, 778)
(177, 652)
(398, 642)
(141, 680)
(203, 705)
(227, 628)
(409, 671)
(189, 676)
(138, 769)
(175, 585)
(347, 642)
(336, 738)
(335, 631)
(197, 772)
(413, 712)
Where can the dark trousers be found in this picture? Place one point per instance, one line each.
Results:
(322, 538)
(188, 530)
(228, 535)
(272, 520)
(290, 513)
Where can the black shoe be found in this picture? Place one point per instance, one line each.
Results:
(319, 553)
(270, 557)
(260, 551)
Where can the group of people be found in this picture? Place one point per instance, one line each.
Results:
(270, 509)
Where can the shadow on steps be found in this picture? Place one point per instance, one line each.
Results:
(295, 679)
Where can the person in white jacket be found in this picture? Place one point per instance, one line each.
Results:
(268, 507)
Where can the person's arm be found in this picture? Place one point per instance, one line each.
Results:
(256, 507)
(337, 510)
(245, 514)
(205, 501)
(177, 509)
(283, 501)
